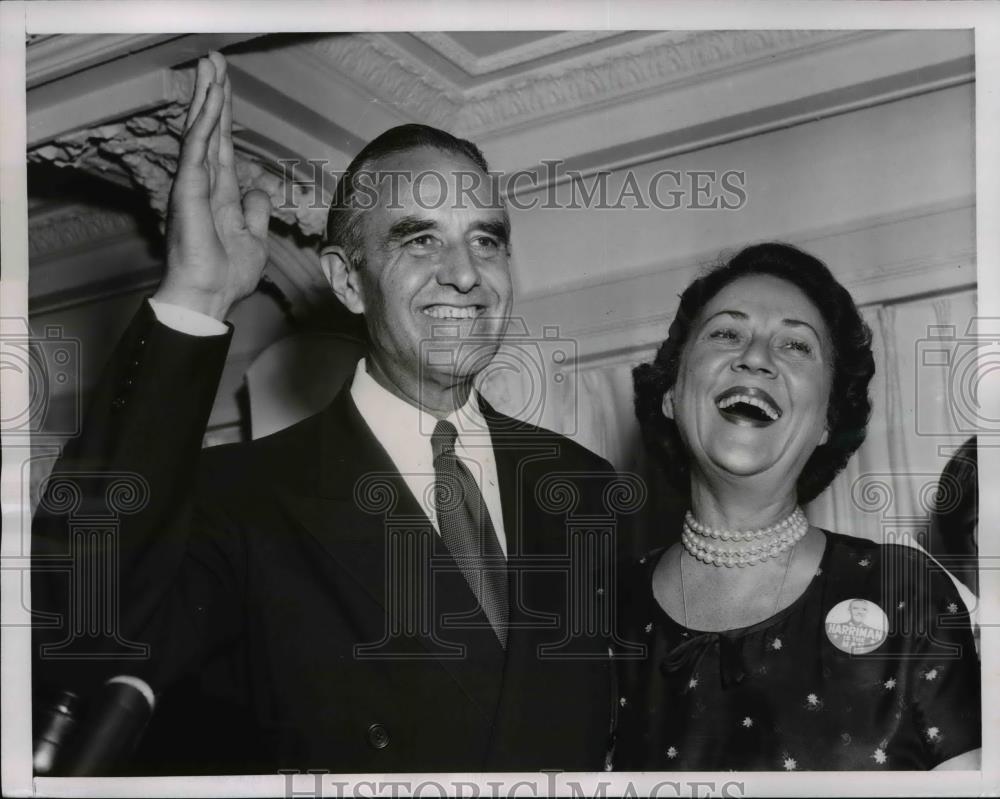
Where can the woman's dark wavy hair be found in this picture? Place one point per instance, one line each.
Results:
(853, 366)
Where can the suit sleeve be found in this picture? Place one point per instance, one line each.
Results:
(130, 573)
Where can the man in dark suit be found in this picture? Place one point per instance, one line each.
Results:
(408, 581)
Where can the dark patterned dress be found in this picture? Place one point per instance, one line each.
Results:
(872, 667)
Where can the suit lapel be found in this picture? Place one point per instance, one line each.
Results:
(365, 517)
(516, 450)
(356, 487)
(539, 598)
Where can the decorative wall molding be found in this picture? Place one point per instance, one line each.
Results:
(656, 62)
(382, 68)
(447, 46)
(144, 149)
(65, 233)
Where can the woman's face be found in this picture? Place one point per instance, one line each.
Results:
(753, 385)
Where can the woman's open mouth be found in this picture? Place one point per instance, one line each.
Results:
(752, 407)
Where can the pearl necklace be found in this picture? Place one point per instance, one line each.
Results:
(762, 544)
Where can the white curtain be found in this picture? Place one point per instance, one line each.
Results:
(918, 419)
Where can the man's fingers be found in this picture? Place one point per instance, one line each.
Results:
(226, 125)
(257, 212)
(196, 140)
(219, 62)
(227, 188)
(219, 65)
(204, 77)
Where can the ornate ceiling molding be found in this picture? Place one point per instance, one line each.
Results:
(615, 74)
(447, 46)
(143, 150)
(655, 63)
(389, 72)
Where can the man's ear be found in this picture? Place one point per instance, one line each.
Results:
(668, 403)
(343, 278)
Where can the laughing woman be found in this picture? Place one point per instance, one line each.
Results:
(771, 644)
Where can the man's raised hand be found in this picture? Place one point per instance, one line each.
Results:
(216, 244)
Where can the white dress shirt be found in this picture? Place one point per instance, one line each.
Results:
(403, 430)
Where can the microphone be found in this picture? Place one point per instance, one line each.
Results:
(104, 737)
(54, 732)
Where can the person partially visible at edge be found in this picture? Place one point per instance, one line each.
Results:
(756, 400)
(955, 516)
(278, 556)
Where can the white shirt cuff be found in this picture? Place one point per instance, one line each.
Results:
(184, 320)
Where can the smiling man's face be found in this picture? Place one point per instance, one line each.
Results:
(436, 269)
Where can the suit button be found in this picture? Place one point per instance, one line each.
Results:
(378, 736)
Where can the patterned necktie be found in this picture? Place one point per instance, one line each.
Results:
(467, 530)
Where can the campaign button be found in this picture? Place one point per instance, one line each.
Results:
(857, 626)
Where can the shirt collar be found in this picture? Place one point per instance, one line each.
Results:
(400, 426)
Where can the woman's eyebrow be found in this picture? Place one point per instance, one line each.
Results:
(800, 323)
(727, 312)
(743, 316)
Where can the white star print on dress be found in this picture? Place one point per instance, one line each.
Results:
(872, 710)
(952, 607)
(672, 752)
(865, 563)
(649, 627)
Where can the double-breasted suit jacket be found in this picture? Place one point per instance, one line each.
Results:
(302, 561)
